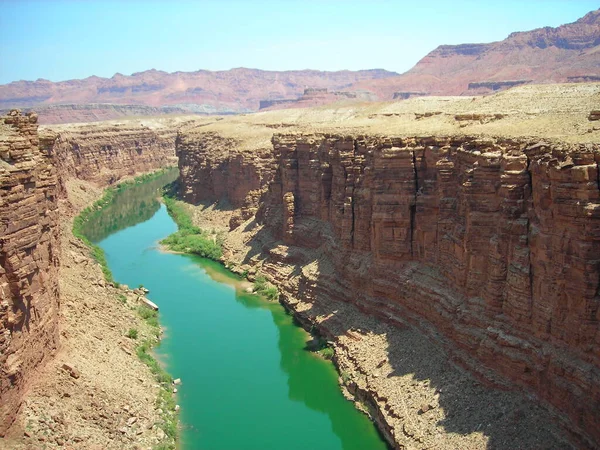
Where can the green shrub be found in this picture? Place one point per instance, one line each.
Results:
(142, 352)
(189, 238)
(327, 353)
(266, 289)
(164, 446)
(149, 315)
(271, 293)
(122, 298)
(132, 333)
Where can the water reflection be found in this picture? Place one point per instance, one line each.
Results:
(135, 204)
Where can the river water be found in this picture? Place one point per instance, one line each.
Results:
(247, 380)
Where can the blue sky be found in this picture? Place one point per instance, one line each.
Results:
(60, 40)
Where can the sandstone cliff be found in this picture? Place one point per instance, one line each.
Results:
(50, 406)
(212, 170)
(109, 151)
(494, 242)
(29, 250)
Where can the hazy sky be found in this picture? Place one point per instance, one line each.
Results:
(60, 40)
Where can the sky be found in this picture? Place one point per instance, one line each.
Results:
(61, 40)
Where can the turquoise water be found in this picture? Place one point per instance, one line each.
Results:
(247, 381)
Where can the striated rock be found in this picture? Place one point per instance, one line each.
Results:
(493, 241)
(210, 171)
(154, 91)
(594, 115)
(405, 95)
(106, 153)
(495, 85)
(29, 252)
(316, 97)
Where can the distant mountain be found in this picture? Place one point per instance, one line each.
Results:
(235, 90)
(569, 53)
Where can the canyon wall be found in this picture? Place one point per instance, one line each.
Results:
(29, 250)
(494, 242)
(489, 245)
(213, 170)
(108, 152)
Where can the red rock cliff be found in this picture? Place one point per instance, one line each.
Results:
(489, 245)
(212, 169)
(107, 152)
(28, 259)
(494, 242)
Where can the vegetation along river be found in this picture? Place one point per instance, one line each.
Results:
(247, 380)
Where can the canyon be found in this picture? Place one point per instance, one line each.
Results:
(446, 247)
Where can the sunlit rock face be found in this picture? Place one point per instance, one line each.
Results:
(29, 252)
(106, 153)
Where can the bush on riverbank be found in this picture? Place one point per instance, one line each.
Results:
(266, 289)
(189, 238)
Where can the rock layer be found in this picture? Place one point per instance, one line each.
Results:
(29, 250)
(108, 152)
(494, 242)
(212, 170)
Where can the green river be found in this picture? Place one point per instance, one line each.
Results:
(247, 380)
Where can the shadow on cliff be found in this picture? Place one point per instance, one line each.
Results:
(509, 419)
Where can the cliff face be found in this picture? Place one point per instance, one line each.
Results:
(494, 242)
(29, 252)
(211, 169)
(106, 153)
